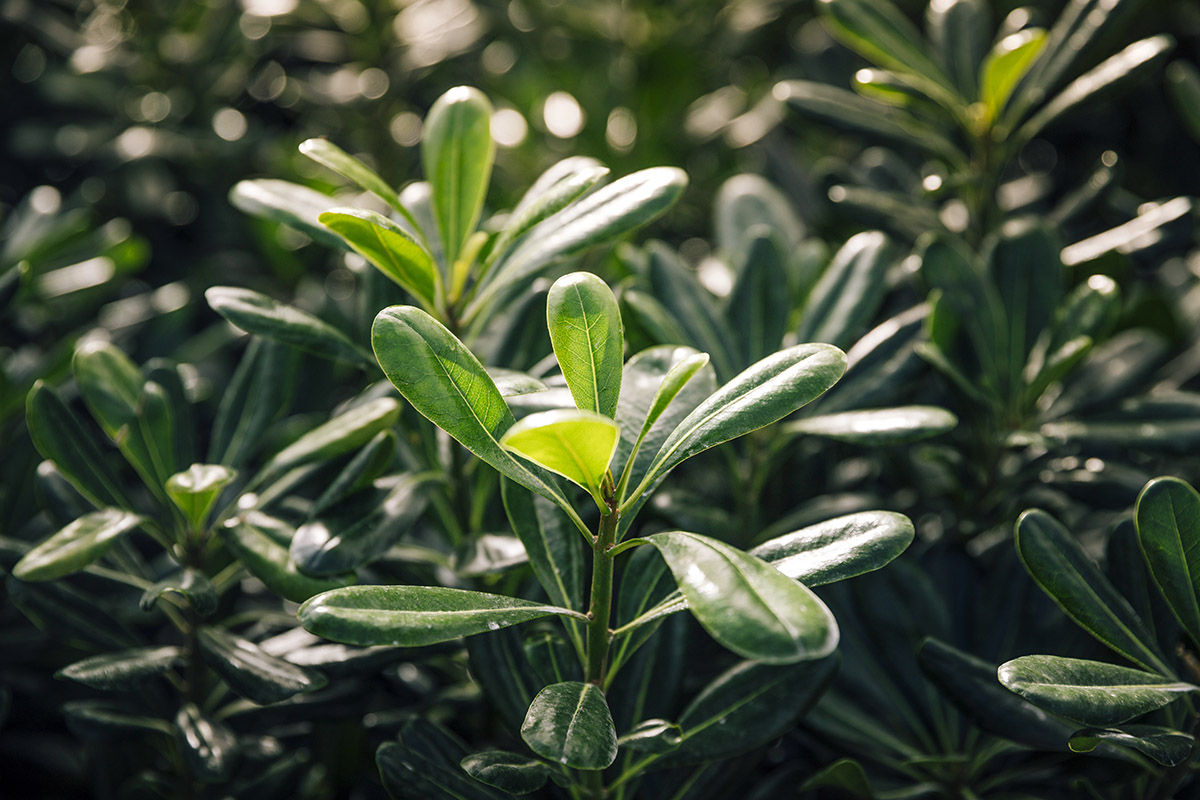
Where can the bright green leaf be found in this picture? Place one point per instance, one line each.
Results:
(588, 338)
(195, 490)
(1006, 64)
(457, 151)
(391, 249)
(840, 548)
(575, 444)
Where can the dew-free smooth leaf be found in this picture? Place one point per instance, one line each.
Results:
(209, 747)
(252, 673)
(414, 615)
(747, 605)
(257, 395)
(126, 669)
(188, 583)
(762, 394)
(289, 203)
(1149, 226)
(195, 489)
(588, 338)
(555, 189)
(552, 543)
(1006, 64)
(575, 444)
(1090, 692)
(877, 426)
(1061, 567)
(345, 432)
(1168, 528)
(1167, 746)
(840, 548)
(261, 315)
(425, 764)
(600, 217)
(391, 249)
(328, 154)
(75, 546)
(509, 772)
(848, 293)
(447, 385)
(456, 152)
(110, 383)
(961, 31)
(569, 723)
(746, 202)
(269, 561)
(760, 301)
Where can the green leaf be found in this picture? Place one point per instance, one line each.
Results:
(500, 664)
(1006, 64)
(745, 208)
(762, 394)
(252, 673)
(257, 395)
(845, 776)
(1166, 746)
(258, 314)
(555, 189)
(569, 723)
(345, 432)
(747, 605)
(75, 546)
(61, 438)
(877, 426)
(390, 249)
(880, 32)
(1127, 66)
(98, 720)
(412, 616)
(961, 31)
(575, 444)
(426, 765)
(289, 203)
(513, 383)
(1090, 692)
(1149, 226)
(509, 772)
(196, 489)
(553, 545)
(209, 748)
(269, 561)
(355, 532)
(588, 338)
(760, 301)
(652, 736)
(840, 548)
(1088, 312)
(127, 669)
(1168, 528)
(748, 705)
(110, 383)
(600, 217)
(457, 151)
(849, 292)
(1060, 566)
(328, 154)
(188, 583)
(447, 385)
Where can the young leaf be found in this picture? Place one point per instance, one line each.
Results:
(1090, 692)
(588, 338)
(188, 583)
(509, 772)
(195, 490)
(328, 154)
(1060, 566)
(747, 605)
(457, 151)
(127, 669)
(75, 546)
(1168, 528)
(269, 561)
(252, 673)
(345, 432)
(840, 548)
(575, 444)
(256, 313)
(412, 616)
(1006, 64)
(877, 426)
(289, 203)
(569, 723)
(391, 249)
(209, 747)
(1166, 746)
(764, 393)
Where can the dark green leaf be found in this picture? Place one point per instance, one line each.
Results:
(345, 432)
(745, 604)
(252, 673)
(127, 669)
(840, 548)
(257, 395)
(1183, 87)
(258, 314)
(1168, 528)
(509, 772)
(748, 202)
(110, 383)
(188, 583)
(652, 736)
(849, 292)
(75, 546)
(209, 747)
(289, 203)
(555, 189)
(877, 426)
(759, 303)
(426, 765)
(99, 720)
(689, 312)
(269, 561)
(1166, 746)
(961, 31)
(585, 328)
(414, 615)
(328, 154)
(500, 664)
(1090, 692)
(569, 723)
(845, 776)
(552, 543)
(1024, 266)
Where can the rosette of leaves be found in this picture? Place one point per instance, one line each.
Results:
(968, 98)
(662, 402)
(1147, 710)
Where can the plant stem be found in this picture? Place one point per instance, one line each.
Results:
(599, 637)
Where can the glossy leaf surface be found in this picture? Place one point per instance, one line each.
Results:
(1006, 64)
(744, 603)
(269, 561)
(251, 672)
(209, 747)
(849, 291)
(126, 669)
(575, 444)
(188, 583)
(61, 438)
(877, 426)
(509, 772)
(75, 546)
(390, 248)
(588, 338)
(652, 736)
(413, 615)
(195, 490)
(457, 152)
(840, 548)
(1168, 527)
(328, 154)
(1166, 746)
(347, 431)
(569, 723)
(289, 203)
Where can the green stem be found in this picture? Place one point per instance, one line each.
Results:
(599, 637)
